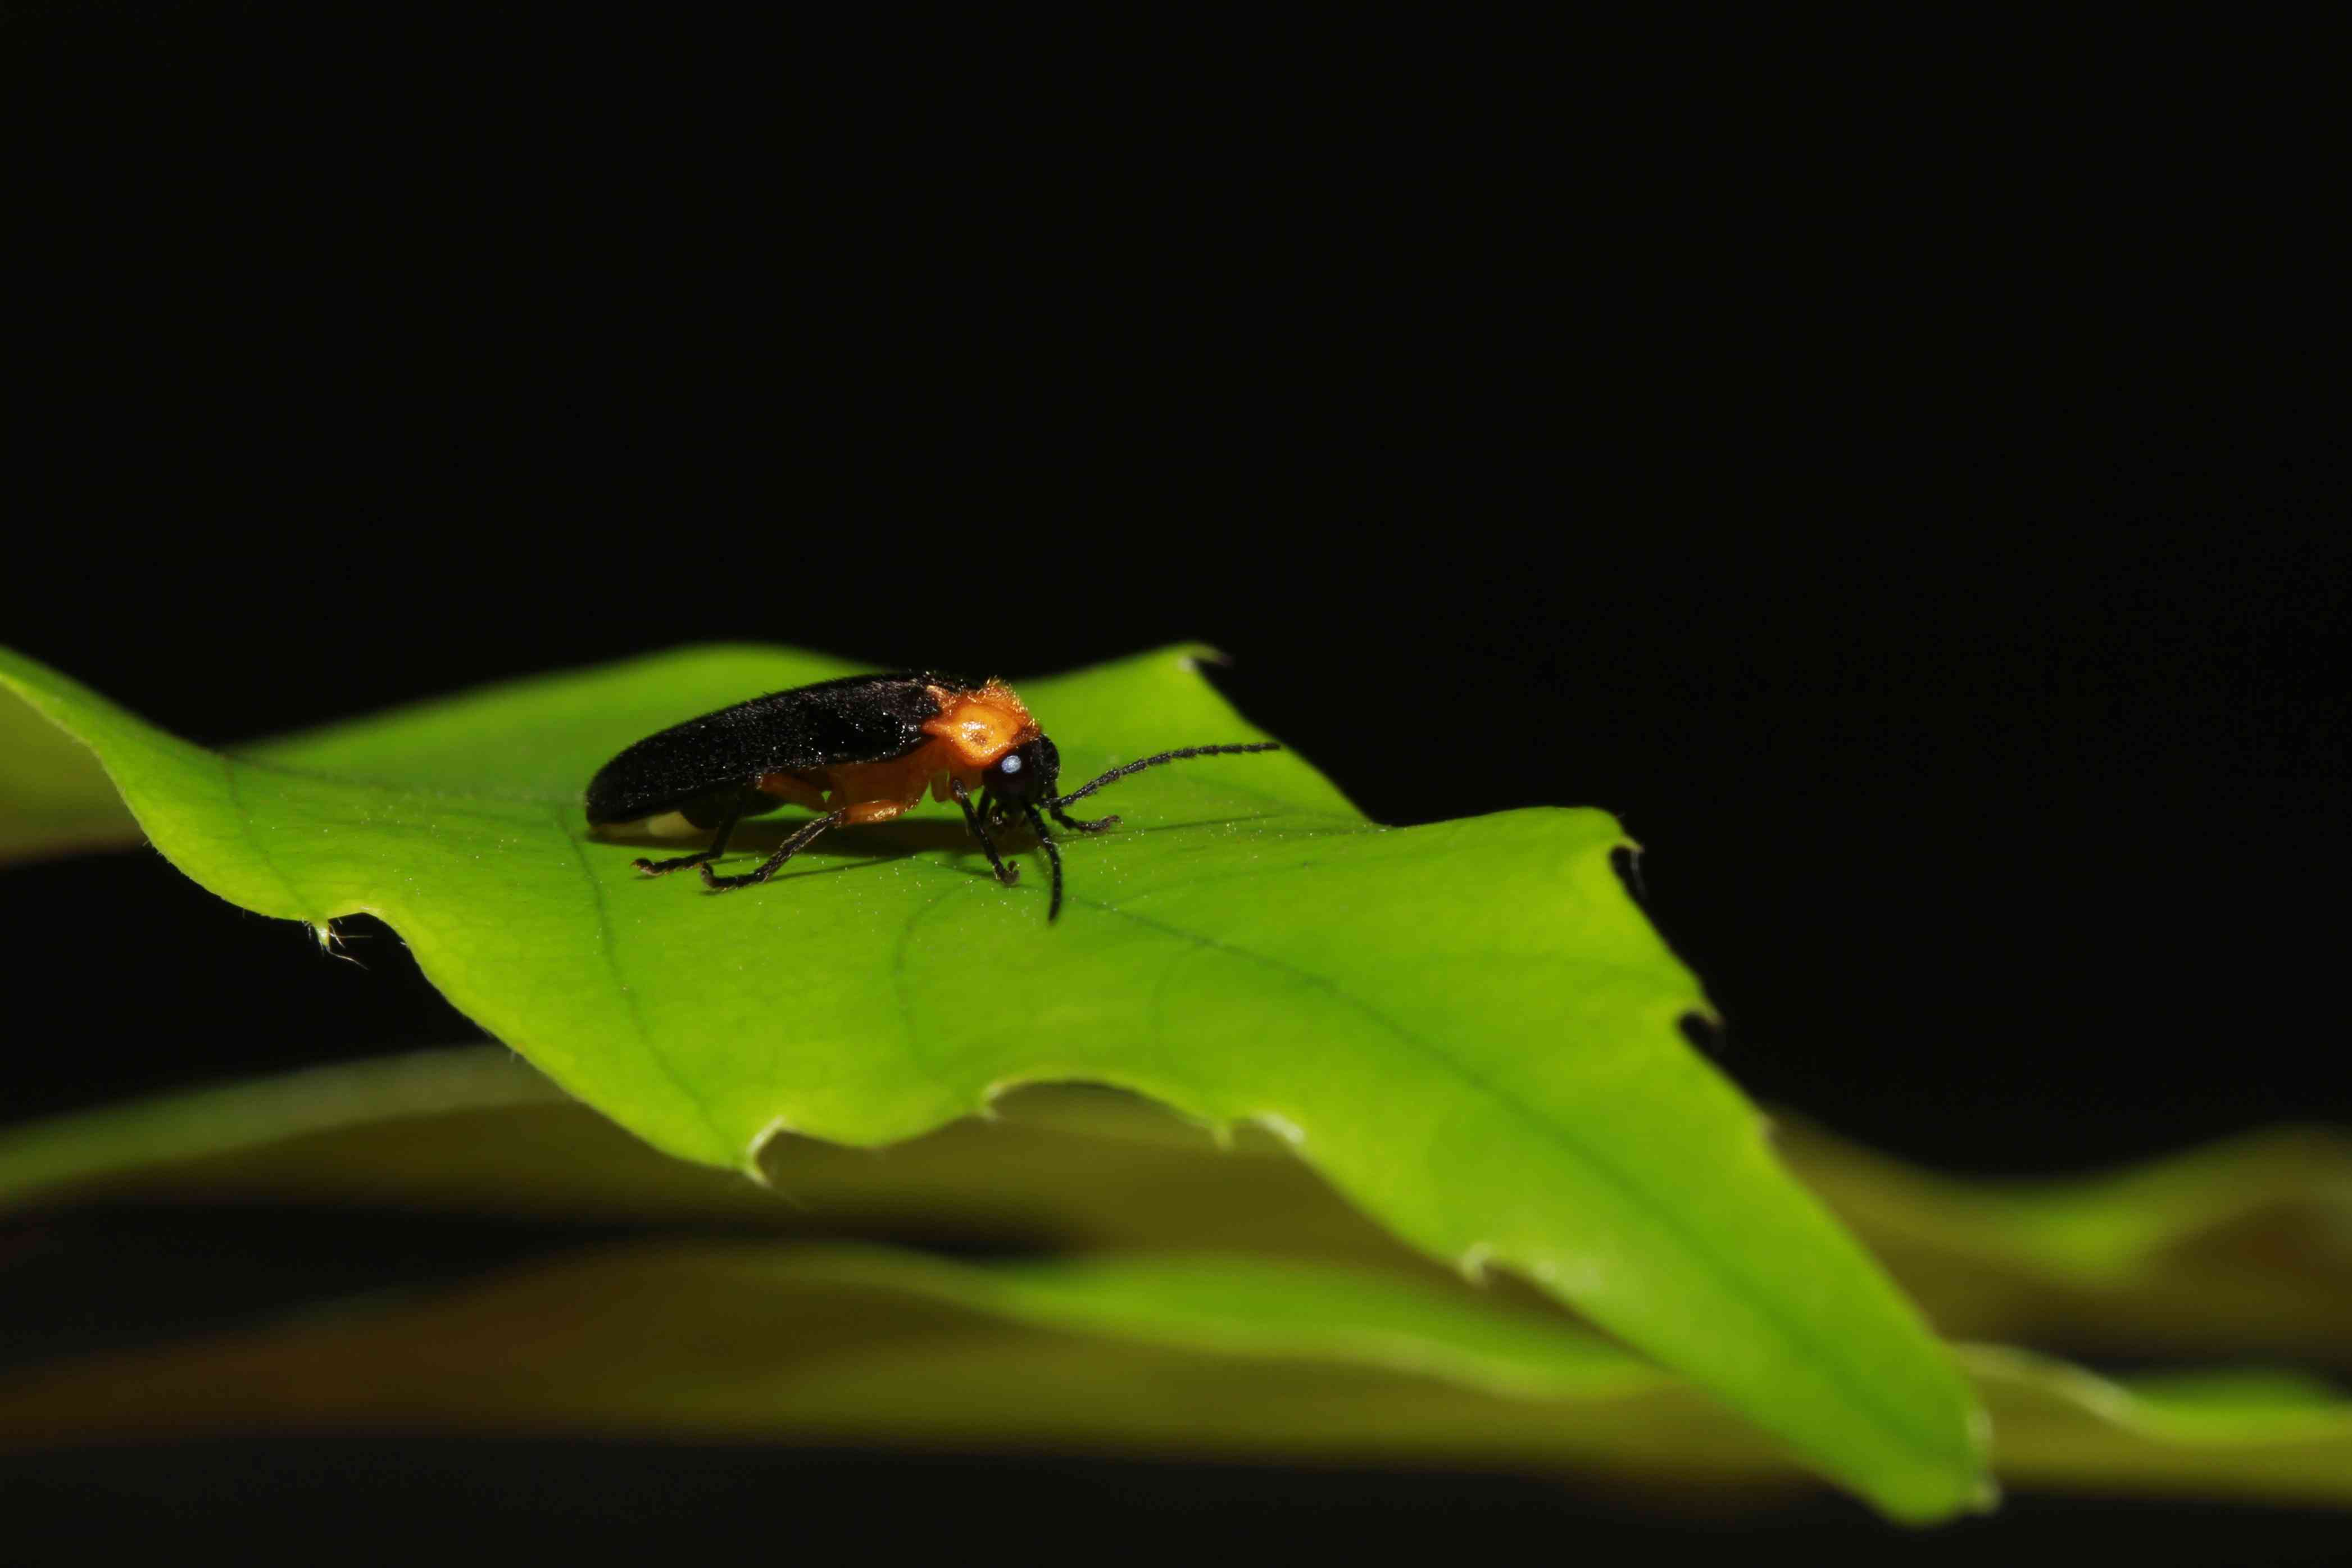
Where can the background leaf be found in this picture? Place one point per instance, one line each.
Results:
(2239, 1247)
(1340, 1331)
(833, 1344)
(1467, 1028)
(2245, 1245)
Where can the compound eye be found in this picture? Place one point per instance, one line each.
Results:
(1010, 764)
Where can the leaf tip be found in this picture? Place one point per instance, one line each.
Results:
(1625, 860)
(986, 1109)
(754, 1155)
(1282, 1127)
(1702, 1028)
(1192, 656)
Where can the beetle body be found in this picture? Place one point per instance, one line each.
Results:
(859, 749)
(864, 742)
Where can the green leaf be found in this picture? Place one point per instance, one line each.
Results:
(1203, 1354)
(475, 1131)
(1087, 1170)
(2241, 1246)
(862, 1345)
(1279, 1311)
(1467, 1028)
(121, 1142)
(54, 797)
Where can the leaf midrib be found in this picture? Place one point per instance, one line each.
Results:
(1861, 1394)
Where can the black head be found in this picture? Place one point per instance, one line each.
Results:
(1021, 785)
(1026, 773)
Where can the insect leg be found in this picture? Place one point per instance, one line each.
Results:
(1052, 853)
(1007, 874)
(802, 836)
(1096, 826)
(732, 814)
(993, 811)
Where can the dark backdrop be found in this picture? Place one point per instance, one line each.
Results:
(1912, 505)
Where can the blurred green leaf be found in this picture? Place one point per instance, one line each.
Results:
(477, 1131)
(1201, 1355)
(1131, 1190)
(1468, 1029)
(2250, 1434)
(2244, 1246)
(120, 1144)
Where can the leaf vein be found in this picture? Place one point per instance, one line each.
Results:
(611, 960)
(1791, 1331)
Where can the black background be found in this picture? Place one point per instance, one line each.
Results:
(1910, 497)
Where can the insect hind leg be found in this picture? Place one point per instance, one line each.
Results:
(804, 835)
(728, 813)
(679, 863)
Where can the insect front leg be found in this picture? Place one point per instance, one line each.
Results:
(1054, 854)
(1007, 874)
(1098, 825)
(729, 814)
